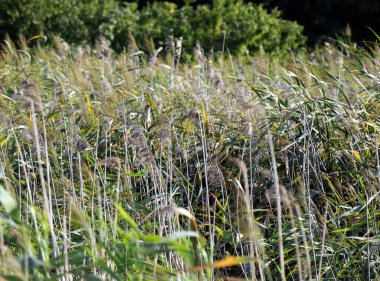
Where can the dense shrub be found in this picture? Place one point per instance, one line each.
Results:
(244, 27)
(75, 21)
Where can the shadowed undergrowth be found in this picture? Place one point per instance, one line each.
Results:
(117, 168)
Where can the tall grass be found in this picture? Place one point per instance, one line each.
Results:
(115, 167)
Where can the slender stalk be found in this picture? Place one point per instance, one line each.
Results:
(47, 203)
(278, 205)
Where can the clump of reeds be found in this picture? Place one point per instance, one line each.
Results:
(271, 166)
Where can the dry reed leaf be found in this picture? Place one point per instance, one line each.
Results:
(179, 211)
(176, 210)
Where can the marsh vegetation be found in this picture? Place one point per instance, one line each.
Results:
(139, 166)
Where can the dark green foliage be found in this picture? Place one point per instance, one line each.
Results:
(75, 21)
(246, 28)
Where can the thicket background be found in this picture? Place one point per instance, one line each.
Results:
(321, 18)
(243, 27)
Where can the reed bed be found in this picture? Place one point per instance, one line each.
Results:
(140, 167)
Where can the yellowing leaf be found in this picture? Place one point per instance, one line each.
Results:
(205, 118)
(89, 107)
(369, 124)
(229, 261)
(357, 155)
(52, 115)
(35, 37)
(367, 152)
(331, 185)
(226, 262)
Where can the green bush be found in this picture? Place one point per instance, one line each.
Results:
(75, 21)
(245, 27)
(121, 22)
